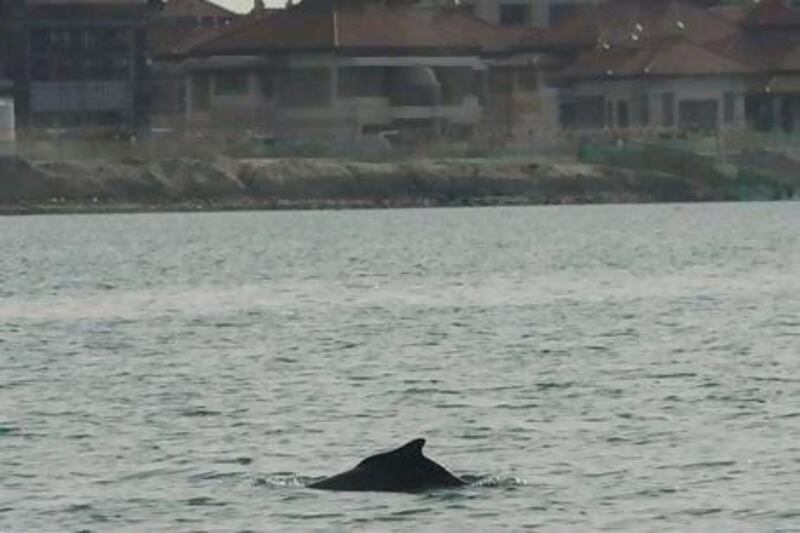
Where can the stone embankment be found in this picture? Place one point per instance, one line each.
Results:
(180, 183)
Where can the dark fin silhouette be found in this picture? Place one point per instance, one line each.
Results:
(409, 451)
(404, 469)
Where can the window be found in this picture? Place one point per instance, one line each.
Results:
(501, 82)
(201, 92)
(42, 69)
(362, 81)
(479, 82)
(456, 84)
(729, 107)
(559, 13)
(305, 87)
(515, 14)
(230, 84)
(584, 112)
(668, 110)
(267, 83)
(528, 79)
(698, 114)
(623, 116)
(207, 22)
(644, 110)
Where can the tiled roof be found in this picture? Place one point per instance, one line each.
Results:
(354, 26)
(734, 14)
(676, 56)
(475, 29)
(765, 50)
(169, 42)
(773, 13)
(791, 60)
(634, 22)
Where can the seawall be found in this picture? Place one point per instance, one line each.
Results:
(182, 183)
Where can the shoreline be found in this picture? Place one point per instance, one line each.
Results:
(99, 208)
(183, 184)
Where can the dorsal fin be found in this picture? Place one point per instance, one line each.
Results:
(413, 448)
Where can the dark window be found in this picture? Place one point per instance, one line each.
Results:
(698, 114)
(623, 115)
(479, 80)
(787, 111)
(585, 112)
(456, 84)
(528, 79)
(559, 13)
(230, 83)
(644, 110)
(668, 110)
(501, 82)
(305, 87)
(515, 14)
(729, 107)
(362, 81)
(207, 22)
(267, 82)
(759, 112)
(201, 92)
(42, 70)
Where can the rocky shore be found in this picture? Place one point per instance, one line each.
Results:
(216, 183)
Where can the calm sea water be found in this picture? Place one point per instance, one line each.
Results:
(620, 368)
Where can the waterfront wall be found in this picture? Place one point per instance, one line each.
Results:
(223, 183)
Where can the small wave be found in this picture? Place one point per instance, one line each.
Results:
(292, 480)
(204, 501)
(495, 482)
(206, 476)
(235, 460)
(78, 508)
(673, 375)
(284, 480)
(200, 411)
(698, 465)
(703, 512)
(548, 385)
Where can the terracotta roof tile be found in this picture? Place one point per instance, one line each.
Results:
(364, 26)
(635, 22)
(669, 57)
(773, 13)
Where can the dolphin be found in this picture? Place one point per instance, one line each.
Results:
(402, 470)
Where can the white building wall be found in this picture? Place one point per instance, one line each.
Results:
(684, 89)
(343, 117)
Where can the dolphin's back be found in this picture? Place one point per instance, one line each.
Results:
(405, 469)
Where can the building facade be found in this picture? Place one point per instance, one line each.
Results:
(527, 13)
(80, 64)
(342, 70)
